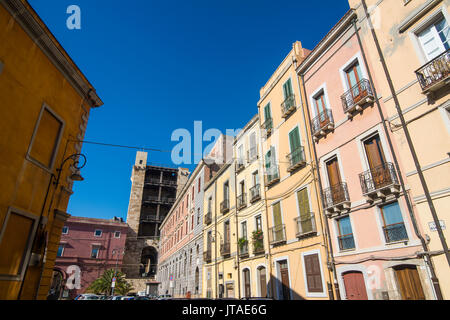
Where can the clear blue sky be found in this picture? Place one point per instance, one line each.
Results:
(161, 65)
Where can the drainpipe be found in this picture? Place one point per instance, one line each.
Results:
(416, 162)
(237, 235)
(216, 275)
(333, 264)
(330, 290)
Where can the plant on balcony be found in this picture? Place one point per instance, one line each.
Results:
(242, 242)
(257, 237)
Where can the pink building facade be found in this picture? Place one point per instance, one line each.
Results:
(371, 226)
(87, 248)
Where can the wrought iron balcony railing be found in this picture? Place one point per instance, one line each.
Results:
(358, 95)
(255, 193)
(346, 242)
(207, 257)
(225, 206)
(288, 106)
(395, 232)
(151, 218)
(240, 165)
(243, 250)
(381, 177)
(225, 248)
(322, 123)
(242, 201)
(306, 225)
(336, 195)
(277, 234)
(435, 73)
(267, 127)
(272, 175)
(208, 218)
(258, 246)
(296, 159)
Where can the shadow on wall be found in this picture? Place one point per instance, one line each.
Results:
(281, 291)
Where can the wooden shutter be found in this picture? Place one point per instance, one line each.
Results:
(374, 152)
(287, 89)
(262, 282)
(277, 214)
(334, 176)
(267, 112)
(284, 272)
(313, 275)
(294, 139)
(355, 288)
(431, 42)
(247, 283)
(303, 202)
(409, 282)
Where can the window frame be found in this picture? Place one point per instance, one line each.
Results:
(95, 233)
(322, 294)
(62, 231)
(28, 156)
(27, 253)
(115, 233)
(98, 250)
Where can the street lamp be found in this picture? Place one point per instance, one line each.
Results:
(115, 269)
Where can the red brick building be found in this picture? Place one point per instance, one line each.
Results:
(87, 248)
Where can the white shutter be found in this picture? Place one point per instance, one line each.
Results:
(431, 43)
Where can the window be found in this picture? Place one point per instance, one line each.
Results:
(287, 89)
(434, 39)
(98, 233)
(270, 164)
(14, 250)
(241, 155)
(253, 149)
(319, 102)
(199, 184)
(198, 216)
(258, 223)
(345, 238)
(193, 192)
(313, 273)
(353, 74)
(393, 225)
(244, 229)
(226, 191)
(65, 230)
(247, 283)
(117, 234)
(255, 178)
(267, 113)
(46, 137)
(60, 250)
(95, 251)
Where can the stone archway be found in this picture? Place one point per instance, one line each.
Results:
(57, 285)
(149, 260)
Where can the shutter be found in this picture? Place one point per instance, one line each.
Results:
(333, 172)
(287, 89)
(313, 275)
(294, 139)
(431, 42)
(303, 202)
(374, 152)
(277, 214)
(267, 113)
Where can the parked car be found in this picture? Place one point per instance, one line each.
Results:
(127, 298)
(142, 298)
(87, 297)
(116, 298)
(165, 297)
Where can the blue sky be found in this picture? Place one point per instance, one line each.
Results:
(161, 65)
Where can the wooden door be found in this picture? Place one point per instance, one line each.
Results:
(355, 287)
(353, 79)
(334, 178)
(408, 281)
(262, 282)
(284, 272)
(321, 110)
(377, 162)
(306, 223)
(247, 290)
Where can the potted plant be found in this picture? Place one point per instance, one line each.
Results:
(258, 244)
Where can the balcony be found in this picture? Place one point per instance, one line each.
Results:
(336, 199)
(225, 249)
(255, 193)
(267, 127)
(322, 124)
(240, 165)
(288, 106)
(162, 200)
(395, 232)
(346, 242)
(157, 181)
(277, 235)
(252, 154)
(208, 218)
(357, 97)
(272, 176)
(435, 74)
(242, 201)
(151, 218)
(296, 159)
(380, 183)
(306, 226)
(225, 206)
(207, 256)
(243, 250)
(258, 244)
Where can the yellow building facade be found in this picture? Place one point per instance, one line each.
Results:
(298, 248)
(414, 47)
(253, 242)
(45, 102)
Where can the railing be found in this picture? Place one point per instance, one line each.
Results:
(258, 246)
(277, 234)
(395, 232)
(157, 181)
(267, 126)
(322, 121)
(225, 206)
(356, 94)
(252, 154)
(335, 195)
(240, 165)
(255, 193)
(288, 106)
(306, 225)
(150, 218)
(207, 257)
(208, 218)
(272, 175)
(379, 177)
(346, 242)
(160, 200)
(434, 71)
(225, 248)
(296, 158)
(243, 250)
(242, 201)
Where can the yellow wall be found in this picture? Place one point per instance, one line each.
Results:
(29, 80)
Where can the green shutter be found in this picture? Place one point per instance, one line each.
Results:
(287, 89)
(267, 113)
(294, 139)
(303, 202)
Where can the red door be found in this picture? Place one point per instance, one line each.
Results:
(355, 287)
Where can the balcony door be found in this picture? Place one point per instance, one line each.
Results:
(226, 232)
(321, 108)
(354, 76)
(277, 222)
(262, 282)
(247, 283)
(306, 223)
(294, 143)
(284, 275)
(355, 287)
(435, 39)
(334, 179)
(287, 89)
(377, 162)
